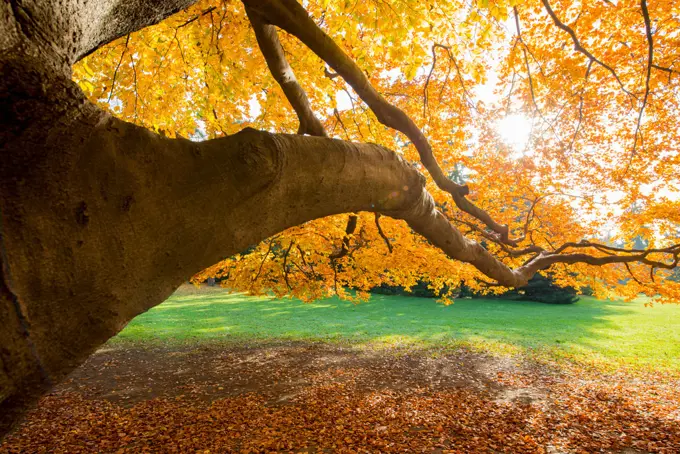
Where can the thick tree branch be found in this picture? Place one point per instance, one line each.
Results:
(268, 40)
(176, 207)
(292, 17)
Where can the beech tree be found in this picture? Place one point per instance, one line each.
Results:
(107, 207)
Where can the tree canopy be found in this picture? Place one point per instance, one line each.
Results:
(560, 117)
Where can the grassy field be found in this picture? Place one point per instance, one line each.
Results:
(591, 331)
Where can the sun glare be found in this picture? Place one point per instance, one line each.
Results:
(514, 130)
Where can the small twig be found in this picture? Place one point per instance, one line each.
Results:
(663, 68)
(264, 259)
(134, 80)
(650, 58)
(427, 81)
(580, 106)
(115, 72)
(466, 94)
(207, 11)
(337, 115)
(531, 80)
(304, 261)
(284, 265)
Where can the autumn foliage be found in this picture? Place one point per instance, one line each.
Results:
(595, 85)
(312, 399)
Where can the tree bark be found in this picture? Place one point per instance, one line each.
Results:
(102, 219)
(268, 40)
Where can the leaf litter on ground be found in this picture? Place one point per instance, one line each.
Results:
(300, 397)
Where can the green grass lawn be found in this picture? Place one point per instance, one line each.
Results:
(591, 331)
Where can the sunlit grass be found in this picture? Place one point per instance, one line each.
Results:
(608, 332)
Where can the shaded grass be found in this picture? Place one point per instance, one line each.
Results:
(599, 332)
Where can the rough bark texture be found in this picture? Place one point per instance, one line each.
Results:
(102, 219)
(75, 28)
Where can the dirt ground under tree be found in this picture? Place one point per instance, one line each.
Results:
(295, 397)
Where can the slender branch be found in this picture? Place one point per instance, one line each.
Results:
(530, 215)
(427, 82)
(663, 68)
(579, 48)
(304, 262)
(349, 230)
(650, 59)
(284, 264)
(264, 259)
(531, 81)
(207, 11)
(134, 82)
(337, 116)
(466, 94)
(381, 233)
(580, 106)
(674, 249)
(526, 63)
(426, 220)
(115, 72)
(444, 84)
(532, 249)
(305, 273)
(268, 40)
(631, 274)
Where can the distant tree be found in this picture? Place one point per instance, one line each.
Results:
(543, 290)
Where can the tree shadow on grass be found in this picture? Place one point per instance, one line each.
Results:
(626, 332)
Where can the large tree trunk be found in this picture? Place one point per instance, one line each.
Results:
(102, 219)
